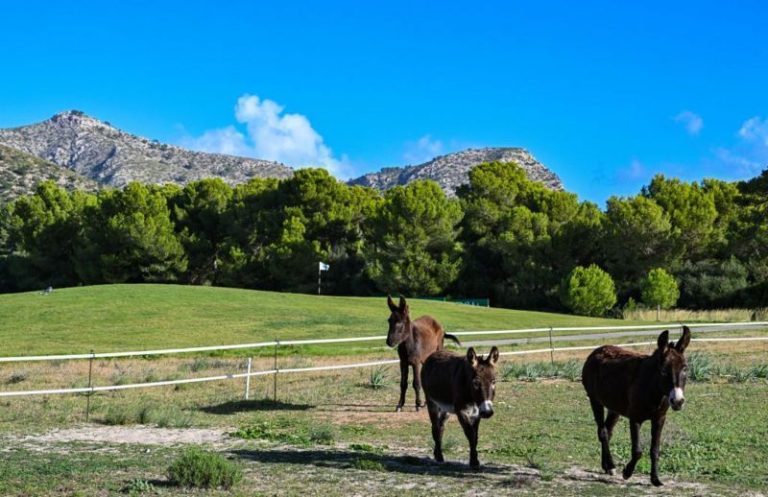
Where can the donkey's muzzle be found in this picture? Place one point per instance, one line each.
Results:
(676, 399)
(486, 409)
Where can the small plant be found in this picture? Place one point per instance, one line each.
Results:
(17, 377)
(378, 378)
(200, 469)
(322, 434)
(120, 416)
(701, 367)
(138, 486)
(367, 464)
(170, 417)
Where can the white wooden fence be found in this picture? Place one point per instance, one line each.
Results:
(91, 389)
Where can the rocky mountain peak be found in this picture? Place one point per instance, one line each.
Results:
(452, 170)
(97, 150)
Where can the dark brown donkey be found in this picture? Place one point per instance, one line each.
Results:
(639, 387)
(464, 386)
(415, 341)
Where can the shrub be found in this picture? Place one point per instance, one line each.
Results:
(588, 291)
(200, 469)
(659, 289)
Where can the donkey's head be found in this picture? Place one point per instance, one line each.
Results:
(483, 380)
(399, 322)
(673, 366)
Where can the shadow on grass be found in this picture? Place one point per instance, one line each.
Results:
(352, 459)
(233, 407)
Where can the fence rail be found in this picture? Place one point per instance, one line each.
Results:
(275, 370)
(325, 341)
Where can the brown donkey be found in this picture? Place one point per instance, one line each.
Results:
(464, 386)
(639, 387)
(415, 341)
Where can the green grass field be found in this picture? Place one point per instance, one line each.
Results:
(333, 433)
(138, 317)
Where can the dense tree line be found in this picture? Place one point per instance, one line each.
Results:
(504, 237)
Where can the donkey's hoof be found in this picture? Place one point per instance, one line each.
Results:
(474, 465)
(611, 471)
(627, 473)
(398, 408)
(656, 482)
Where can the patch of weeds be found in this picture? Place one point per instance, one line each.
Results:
(200, 469)
(203, 364)
(367, 448)
(367, 464)
(139, 486)
(150, 376)
(267, 431)
(322, 434)
(17, 377)
(120, 416)
(119, 377)
(701, 367)
(377, 378)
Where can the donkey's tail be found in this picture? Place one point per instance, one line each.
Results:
(452, 337)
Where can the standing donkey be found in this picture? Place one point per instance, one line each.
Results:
(464, 386)
(638, 386)
(415, 341)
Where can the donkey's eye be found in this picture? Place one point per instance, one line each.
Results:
(476, 383)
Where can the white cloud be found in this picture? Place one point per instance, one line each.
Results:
(755, 130)
(271, 134)
(749, 155)
(693, 122)
(422, 150)
(221, 141)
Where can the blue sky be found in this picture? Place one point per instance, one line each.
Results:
(604, 93)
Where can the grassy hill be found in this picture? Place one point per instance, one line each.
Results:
(138, 317)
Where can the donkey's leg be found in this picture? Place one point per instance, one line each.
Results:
(403, 384)
(610, 422)
(417, 384)
(602, 434)
(656, 426)
(471, 427)
(634, 431)
(437, 417)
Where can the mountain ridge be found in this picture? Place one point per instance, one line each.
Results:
(97, 153)
(112, 157)
(452, 170)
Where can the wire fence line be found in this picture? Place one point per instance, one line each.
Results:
(89, 390)
(325, 341)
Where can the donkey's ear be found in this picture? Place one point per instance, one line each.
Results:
(391, 304)
(682, 344)
(472, 357)
(663, 340)
(493, 357)
(403, 305)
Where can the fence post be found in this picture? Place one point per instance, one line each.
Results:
(274, 366)
(551, 348)
(90, 385)
(248, 379)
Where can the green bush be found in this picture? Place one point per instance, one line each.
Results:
(200, 469)
(588, 291)
(659, 289)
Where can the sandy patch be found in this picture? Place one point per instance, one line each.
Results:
(145, 435)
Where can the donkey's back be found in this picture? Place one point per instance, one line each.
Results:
(608, 375)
